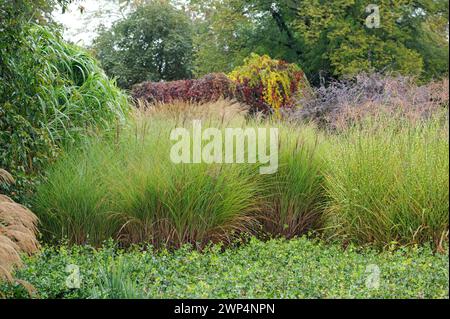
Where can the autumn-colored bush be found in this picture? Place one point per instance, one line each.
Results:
(209, 88)
(264, 84)
(269, 85)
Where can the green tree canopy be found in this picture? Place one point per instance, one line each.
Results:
(338, 40)
(151, 44)
(328, 38)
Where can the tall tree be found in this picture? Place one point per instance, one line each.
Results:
(339, 41)
(153, 43)
(328, 38)
(229, 30)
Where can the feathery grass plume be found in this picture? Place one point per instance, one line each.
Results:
(5, 274)
(18, 229)
(5, 199)
(29, 288)
(24, 238)
(9, 258)
(16, 214)
(222, 111)
(8, 241)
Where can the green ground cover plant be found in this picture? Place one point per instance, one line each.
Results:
(297, 268)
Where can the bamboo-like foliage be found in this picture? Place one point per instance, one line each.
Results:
(51, 93)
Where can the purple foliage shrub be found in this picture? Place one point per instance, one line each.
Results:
(348, 101)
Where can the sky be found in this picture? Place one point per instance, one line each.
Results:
(80, 27)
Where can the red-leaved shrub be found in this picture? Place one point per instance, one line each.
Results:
(264, 84)
(209, 88)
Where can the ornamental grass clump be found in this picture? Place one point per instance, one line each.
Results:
(130, 190)
(295, 193)
(387, 183)
(73, 203)
(171, 204)
(18, 232)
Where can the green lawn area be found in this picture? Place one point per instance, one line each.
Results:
(298, 268)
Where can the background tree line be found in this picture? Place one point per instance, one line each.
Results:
(168, 40)
(177, 39)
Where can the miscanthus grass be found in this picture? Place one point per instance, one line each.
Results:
(130, 190)
(387, 183)
(381, 182)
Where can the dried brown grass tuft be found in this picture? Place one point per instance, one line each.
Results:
(5, 199)
(18, 230)
(16, 214)
(29, 288)
(9, 257)
(5, 275)
(6, 177)
(24, 238)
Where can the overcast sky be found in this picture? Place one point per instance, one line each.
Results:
(81, 27)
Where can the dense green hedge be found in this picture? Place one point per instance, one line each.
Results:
(298, 268)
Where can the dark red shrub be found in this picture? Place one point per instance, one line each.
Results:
(211, 87)
(264, 84)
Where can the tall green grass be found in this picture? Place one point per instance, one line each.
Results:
(387, 183)
(52, 93)
(382, 182)
(131, 191)
(295, 193)
(72, 93)
(74, 202)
